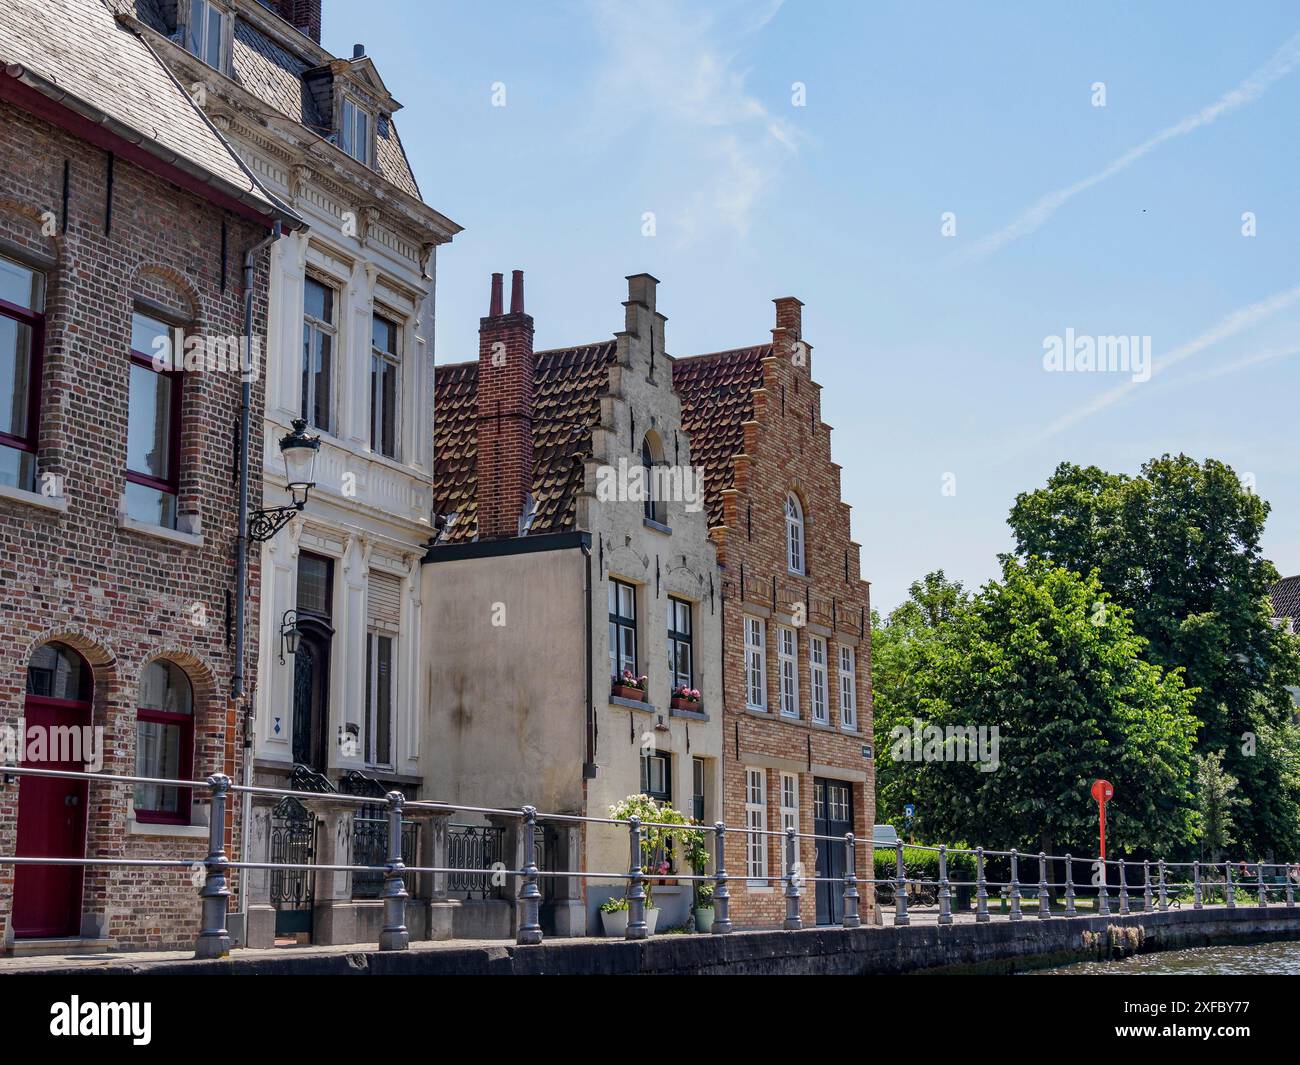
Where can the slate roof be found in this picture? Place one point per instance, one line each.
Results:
(568, 384)
(1286, 600)
(275, 76)
(717, 394)
(80, 49)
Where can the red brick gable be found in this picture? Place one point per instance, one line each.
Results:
(717, 393)
(568, 384)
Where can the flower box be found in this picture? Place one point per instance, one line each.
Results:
(685, 704)
(624, 691)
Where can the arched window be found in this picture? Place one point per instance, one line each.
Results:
(656, 509)
(164, 743)
(794, 534)
(56, 671)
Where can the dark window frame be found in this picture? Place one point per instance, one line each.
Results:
(185, 765)
(176, 379)
(393, 361)
(35, 321)
(678, 637)
(319, 327)
(620, 622)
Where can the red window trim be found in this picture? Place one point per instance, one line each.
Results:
(184, 771)
(35, 375)
(171, 484)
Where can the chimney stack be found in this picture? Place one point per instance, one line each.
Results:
(506, 373)
(358, 51)
(789, 316)
(302, 15)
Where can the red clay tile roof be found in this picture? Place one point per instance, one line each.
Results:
(717, 393)
(1286, 600)
(567, 389)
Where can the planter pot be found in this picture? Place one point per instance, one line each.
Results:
(703, 918)
(615, 924)
(686, 704)
(624, 692)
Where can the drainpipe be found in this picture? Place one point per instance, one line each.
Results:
(591, 707)
(241, 552)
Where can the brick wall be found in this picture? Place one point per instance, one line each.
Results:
(123, 598)
(787, 449)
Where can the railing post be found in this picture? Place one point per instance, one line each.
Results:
(981, 889)
(529, 930)
(214, 938)
(394, 935)
(900, 886)
(945, 889)
(1259, 880)
(851, 917)
(721, 893)
(792, 919)
(1103, 897)
(1070, 910)
(636, 926)
(1290, 888)
(1044, 896)
(1164, 891)
(1123, 887)
(1197, 902)
(1016, 915)
(1229, 896)
(1146, 885)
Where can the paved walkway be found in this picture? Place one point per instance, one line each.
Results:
(88, 963)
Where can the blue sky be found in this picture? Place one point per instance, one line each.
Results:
(1117, 220)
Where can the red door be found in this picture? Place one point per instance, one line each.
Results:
(51, 824)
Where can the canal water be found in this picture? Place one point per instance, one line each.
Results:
(1282, 959)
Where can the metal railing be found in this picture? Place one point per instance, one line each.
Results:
(211, 873)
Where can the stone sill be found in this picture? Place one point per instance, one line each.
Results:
(650, 523)
(632, 704)
(158, 532)
(693, 715)
(56, 504)
(148, 828)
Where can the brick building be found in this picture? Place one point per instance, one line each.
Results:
(124, 217)
(797, 668)
(553, 575)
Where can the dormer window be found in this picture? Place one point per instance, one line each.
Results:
(354, 131)
(205, 34)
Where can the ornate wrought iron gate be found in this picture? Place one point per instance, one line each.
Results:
(370, 837)
(293, 841)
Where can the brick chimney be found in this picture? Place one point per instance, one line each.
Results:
(787, 336)
(505, 412)
(302, 15)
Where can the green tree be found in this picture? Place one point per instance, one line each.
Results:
(1071, 699)
(1216, 798)
(1179, 546)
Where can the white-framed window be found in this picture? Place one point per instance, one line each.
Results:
(755, 663)
(848, 689)
(354, 131)
(205, 32)
(817, 678)
(680, 665)
(787, 654)
(794, 540)
(383, 618)
(756, 822)
(789, 801)
(319, 331)
(385, 385)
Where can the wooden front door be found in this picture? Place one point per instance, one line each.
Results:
(51, 824)
(311, 696)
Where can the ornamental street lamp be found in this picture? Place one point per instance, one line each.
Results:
(290, 634)
(299, 451)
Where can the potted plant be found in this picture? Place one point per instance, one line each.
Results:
(613, 917)
(684, 698)
(629, 686)
(657, 843)
(703, 907)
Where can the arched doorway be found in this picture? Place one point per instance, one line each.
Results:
(51, 811)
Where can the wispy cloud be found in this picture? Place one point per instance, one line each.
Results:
(1284, 60)
(670, 69)
(1239, 320)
